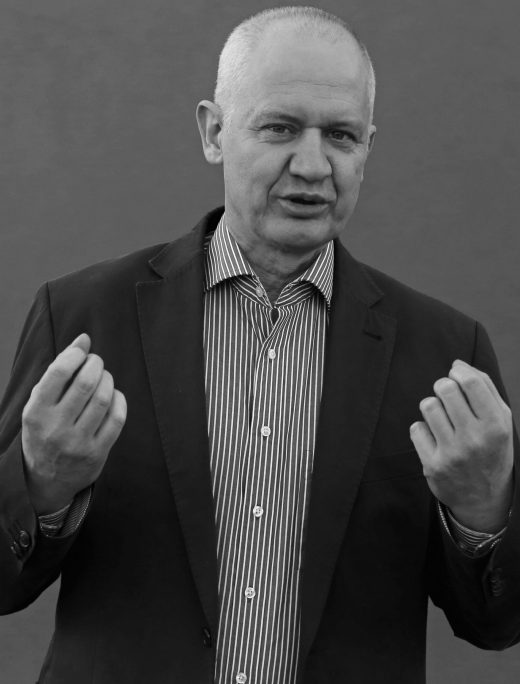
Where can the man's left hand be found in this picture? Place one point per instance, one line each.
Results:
(466, 447)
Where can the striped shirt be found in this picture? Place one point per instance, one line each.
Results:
(263, 386)
(263, 373)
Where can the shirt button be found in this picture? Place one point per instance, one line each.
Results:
(271, 354)
(206, 637)
(250, 593)
(24, 539)
(241, 678)
(259, 292)
(258, 511)
(266, 431)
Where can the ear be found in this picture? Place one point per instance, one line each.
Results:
(209, 120)
(371, 137)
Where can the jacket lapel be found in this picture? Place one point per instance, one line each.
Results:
(171, 322)
(359, 348)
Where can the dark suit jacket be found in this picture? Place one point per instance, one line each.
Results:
(138, 600)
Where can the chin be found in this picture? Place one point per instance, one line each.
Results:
(301, 243)
(305, 234)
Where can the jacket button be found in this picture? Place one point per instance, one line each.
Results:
(206, 637)
(24, 539)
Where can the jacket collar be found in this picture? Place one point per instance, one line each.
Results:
(360, 342)
(350, 275)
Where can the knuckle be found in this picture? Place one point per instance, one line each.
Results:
(35, 393)
(28, 409)
(104, 400)
(57, 371)
(105, 391)
(456, 457)
(29, 418)
(469, 381)
(118, 414)
(498, 431)
(81, 434)
(119, 419)
(428, 471)
(86, 455)
(473, 445)
(84, 384)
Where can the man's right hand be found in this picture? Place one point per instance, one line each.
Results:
(70, 423)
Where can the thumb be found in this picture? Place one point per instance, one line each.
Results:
(83, 342)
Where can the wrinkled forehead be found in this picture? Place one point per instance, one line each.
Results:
(322, 71)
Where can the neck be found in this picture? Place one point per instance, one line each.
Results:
(275, 270)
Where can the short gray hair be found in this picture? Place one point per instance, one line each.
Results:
(234, 58)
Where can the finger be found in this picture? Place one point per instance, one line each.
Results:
(455, 403)
(82, 388)
(477, 392)
(97, 406)
(437, 420)
(423, 441)
(59, 374)
(83, 342)
(114, 421)
(485, 377)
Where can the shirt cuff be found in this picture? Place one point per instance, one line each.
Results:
(470, 542)
(67, 520)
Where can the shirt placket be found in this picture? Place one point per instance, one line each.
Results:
(254, 585)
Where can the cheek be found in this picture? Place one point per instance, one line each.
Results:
(349, 179)
(249, 171)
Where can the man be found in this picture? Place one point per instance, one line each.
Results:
(262, 516)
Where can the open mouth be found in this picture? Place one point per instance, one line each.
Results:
(306, 200)
(300, 200)
(304, 206)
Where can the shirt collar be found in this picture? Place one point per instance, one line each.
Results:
(224, 260)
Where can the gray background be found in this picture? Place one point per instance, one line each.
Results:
(99, 155)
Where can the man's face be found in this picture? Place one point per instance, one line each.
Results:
(296, 145)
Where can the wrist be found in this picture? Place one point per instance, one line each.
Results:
(49, 505)
(489, 517)
(45, 498)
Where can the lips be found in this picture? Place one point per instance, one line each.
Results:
(304, 205)
(306, 198)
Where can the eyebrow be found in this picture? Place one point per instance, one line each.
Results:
(280, 114)
(275, 114)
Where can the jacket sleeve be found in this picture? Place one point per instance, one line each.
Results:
(29, 561)
(481, 596)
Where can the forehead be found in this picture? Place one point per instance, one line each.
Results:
(307, 73)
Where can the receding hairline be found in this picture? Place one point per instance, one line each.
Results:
(245, 38)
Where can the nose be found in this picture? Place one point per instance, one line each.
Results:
(309, 160)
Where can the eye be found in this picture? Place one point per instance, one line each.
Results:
(341, 136)
(278, 129)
